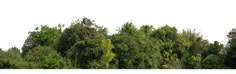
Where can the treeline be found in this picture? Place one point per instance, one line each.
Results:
(85, 45)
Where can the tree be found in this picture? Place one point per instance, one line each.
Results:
(12, 59)
(47, 58)
(79, 30)
(148, 29)
(46, 36)
(86, 44)
(135, 50)
(28, 44)
(215, 48)
(2, 59)
(195, 61)
(129, 54)
(128, 28)
(231, 52)
(213, 62)
(196, 48)
(198, 44)
(92, 53)
(165, 33)
(167, 37)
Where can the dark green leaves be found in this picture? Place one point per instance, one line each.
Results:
(213, 62)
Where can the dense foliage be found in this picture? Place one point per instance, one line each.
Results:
(86, 45)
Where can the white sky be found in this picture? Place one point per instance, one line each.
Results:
(213, 18)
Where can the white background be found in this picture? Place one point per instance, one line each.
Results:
(212, 18)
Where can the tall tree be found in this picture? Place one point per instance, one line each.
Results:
(231, 52)
(86, 44)
(167, 37)
(129, 53)
(196, 47)
(46, 36)
(79, 30)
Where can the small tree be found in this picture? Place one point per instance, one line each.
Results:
(47, 58)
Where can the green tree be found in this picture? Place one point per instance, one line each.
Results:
(128, 28)
(195, 61)
(46, 36)
(198, 44)
(167, 37)
(47, 58)
(165, 33)
(231, 49)
(91, 53)
(12, 59)
(215, 48)
(148, 29)
(134, 50)
(196, 48)
(213, 62)
(86, 44)
(79, 30)
(133, 56)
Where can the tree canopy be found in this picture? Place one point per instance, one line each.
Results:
(87, 45)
